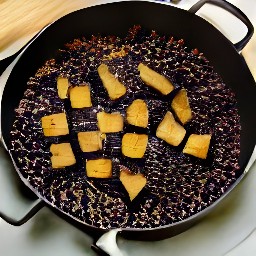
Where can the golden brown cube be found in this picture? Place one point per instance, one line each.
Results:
(180, 105)
(155, 80)
(114, 88)
(137, 113)
(133, 183)
(62, 87)
(198, 145)
(99, 168)
(134, 145)
(80, 96)
(55, 125)
(170, 131)
(62, 155)
(110, 122)
(90, 141)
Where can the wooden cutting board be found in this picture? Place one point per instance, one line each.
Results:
(21, 20)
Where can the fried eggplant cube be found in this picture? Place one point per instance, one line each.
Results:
(134, 145)
(170, 131)
(55, 125)
(198, 145)
(155, 80)
(62, 155)
(114, 88)
(180, 106)
(90, 141)
(99, 168)
(62, 87)
(137, 113)
(110, 122)
(133, 183)
(80, 96)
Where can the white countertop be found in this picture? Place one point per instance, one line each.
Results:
(228, 230)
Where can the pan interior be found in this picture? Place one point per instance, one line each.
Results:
(65, 190)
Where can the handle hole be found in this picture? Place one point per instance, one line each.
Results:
(230, 26)
(16, 198)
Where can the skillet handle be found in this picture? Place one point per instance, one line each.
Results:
(106, 245)
(36, 206)
(233, 10)
(14, 194)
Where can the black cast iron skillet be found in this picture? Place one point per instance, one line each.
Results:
(117, 18)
